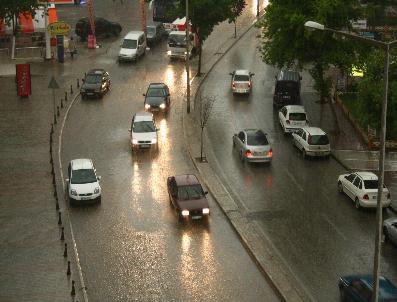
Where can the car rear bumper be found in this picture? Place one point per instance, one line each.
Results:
(240, 90)
(315, 153)
(258, 159)
(372, 203)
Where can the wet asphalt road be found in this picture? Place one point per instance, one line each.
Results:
(295, 203)
(131, 246)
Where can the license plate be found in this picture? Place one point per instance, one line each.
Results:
(84, 198)
(90, 93)
(144, 146)
(196, 217)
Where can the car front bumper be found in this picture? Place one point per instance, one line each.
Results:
(127, 58)
(85, 199)
(319, 153)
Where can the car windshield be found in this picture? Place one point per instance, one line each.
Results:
(318, 140)
(155, 92)
(93, 78)
(257, 138)
(177, 39)
(190, 192)
(297, 116)
(151, 30)
(143, 126)
(83, 176)
(241, 78)
(129, 44)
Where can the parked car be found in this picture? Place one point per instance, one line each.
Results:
(155, 33)
(312, 141)
(143, 131)
(253, 146)
(241, 81)
(287, 88)
(82, 182)
(362, 188)
(96, 83)
(390, 230)
(157, 97)
(133, 46)
(292, 117)
(187, 196)
(358, 288)
(103, 28)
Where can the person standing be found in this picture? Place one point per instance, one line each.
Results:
(72, 47)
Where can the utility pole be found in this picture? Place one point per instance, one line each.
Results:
(47, 34)
(143, 15)
(187, 58)
(257, 8)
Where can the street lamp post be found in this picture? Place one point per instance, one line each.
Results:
(187, 58)
(378, 235)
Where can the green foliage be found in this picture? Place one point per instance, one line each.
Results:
(11, 8)
(236, 8)
(285, 42)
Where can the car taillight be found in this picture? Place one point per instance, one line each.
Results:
(249, 85)
(287, 121)
(270, 153)
(366, 197)
(233, 85)
(248, 153)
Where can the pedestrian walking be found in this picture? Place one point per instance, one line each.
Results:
(72, 47)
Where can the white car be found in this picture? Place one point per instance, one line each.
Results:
(253, 146)
(362, 188)
(390, 230)
(143, 131)
(241, 81)
(312, 141)
(292, 117)
(83, 183)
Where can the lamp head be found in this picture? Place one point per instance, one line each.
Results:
(314, 25)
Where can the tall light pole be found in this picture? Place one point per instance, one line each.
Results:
(378, 235)
(187, 58)
(257, 8)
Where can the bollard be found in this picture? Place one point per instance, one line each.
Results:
(52, 129)
(55, 119)
(59, 218)
(56, 204)
(51, 160)
(50, 139)
(71, 89)
(73, 292)
(68, 271)
(61, 103)
(66, 96)
(62, 235)
(50, 146)
(78, 83)
(53, 179)
(52, 169)
(65, 252)
(57, 110)
(55, 195)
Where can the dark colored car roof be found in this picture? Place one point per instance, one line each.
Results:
(288, 75)
(186, 179)
(387, 290)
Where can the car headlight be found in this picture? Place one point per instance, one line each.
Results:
(73, 192)
(147, 106)
(185, 213)
(162, 106)
(169, 52)
(96, 191)
(206, 211)
(154, 140)
(134, 141)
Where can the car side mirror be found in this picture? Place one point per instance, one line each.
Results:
(206, 192)
(252, 74)
(129, 130)
(231, 73)
(157, 129)
(99, 177)
(144, 94)
(83, 80)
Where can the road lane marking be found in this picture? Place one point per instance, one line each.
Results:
(294, 180)
(334, 226)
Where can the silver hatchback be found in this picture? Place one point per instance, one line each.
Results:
(253, 146)
(241, 81)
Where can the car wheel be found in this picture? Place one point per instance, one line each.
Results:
(357, 203)
(340, 187)
(304, 153)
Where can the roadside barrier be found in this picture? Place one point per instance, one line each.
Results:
(73, 292)
(59, 218)
(65, 252)
(62, 234)
(68, 270)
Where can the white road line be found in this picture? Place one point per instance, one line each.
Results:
(294, 180)
(334, 226)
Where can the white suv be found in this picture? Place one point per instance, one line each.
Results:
(292, 117)
(83, 183)
(143, 131)
(312, 141)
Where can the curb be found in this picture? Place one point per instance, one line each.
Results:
(278, 280)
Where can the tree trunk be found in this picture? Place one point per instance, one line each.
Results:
(202, 143)
(235, 29)
(199, 61)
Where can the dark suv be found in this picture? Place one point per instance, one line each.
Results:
(287, 88)
(96, 83)
(157, 97)
(155, 33)
(103, 28)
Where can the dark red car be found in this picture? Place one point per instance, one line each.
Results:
(187, 196)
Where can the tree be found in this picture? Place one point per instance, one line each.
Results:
(204, 15)
(206, 104)
(285, 42)
(10, 9)
(236, 10)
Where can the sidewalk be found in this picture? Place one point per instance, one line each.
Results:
(32, 258)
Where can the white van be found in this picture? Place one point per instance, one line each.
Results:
(133, 46)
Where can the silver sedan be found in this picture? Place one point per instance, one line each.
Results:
(390, 230)
(253, 146)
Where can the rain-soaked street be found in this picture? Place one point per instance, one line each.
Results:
(316, 231)
(131, 246)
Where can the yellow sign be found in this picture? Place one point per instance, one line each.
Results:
(357, 72)
(58, 28)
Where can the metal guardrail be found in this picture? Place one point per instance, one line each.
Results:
(4, 52)
(29, 52)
